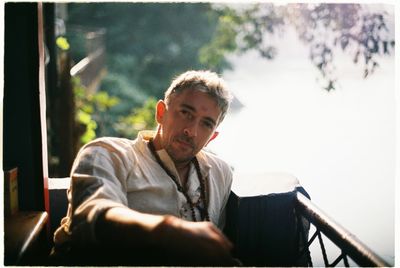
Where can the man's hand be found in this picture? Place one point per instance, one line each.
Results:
(180, 242)
(194, 243)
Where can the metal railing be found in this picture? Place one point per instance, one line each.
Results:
(349, 245)
(91, 68)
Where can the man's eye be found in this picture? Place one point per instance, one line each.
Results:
(208, 124)
(186, 113)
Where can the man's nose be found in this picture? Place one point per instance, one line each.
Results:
(191, 129)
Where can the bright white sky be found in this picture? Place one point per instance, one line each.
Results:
(341, 145)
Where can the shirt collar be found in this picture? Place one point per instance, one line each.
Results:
(145, 135)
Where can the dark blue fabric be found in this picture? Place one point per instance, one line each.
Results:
(265, 229)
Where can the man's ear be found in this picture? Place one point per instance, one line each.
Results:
(161, 107)
(213, 136)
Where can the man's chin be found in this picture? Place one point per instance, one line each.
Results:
(181, 157)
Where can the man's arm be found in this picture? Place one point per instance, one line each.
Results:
(100, 216)
(194, 243)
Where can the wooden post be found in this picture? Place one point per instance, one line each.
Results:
(23, 122)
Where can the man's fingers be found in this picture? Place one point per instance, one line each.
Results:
(219, 236)
(202, 242)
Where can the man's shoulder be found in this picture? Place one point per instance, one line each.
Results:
(111, 141)
(214, 160)
(111, 144)
(221, 173)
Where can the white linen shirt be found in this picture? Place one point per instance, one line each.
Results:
(112, 172)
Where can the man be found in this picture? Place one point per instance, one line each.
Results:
(158, 199)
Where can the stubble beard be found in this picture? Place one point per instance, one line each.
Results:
(179, 160)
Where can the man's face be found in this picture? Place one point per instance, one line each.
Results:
(187, 123)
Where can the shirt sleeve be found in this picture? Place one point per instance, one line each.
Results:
(98, 182)
(228, 185)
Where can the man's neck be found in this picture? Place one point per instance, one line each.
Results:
(183, 171)
(182, 167)
(157, 142)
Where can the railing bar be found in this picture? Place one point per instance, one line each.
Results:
(312, 238)
(337, 260)
(303, 238)
(321, 243)
(345, 240)
(306, 248)
(77, 68)
(345, 260)
(307, 251)
(309, 260)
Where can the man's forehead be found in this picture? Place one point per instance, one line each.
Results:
(198, 101)
(195, 97)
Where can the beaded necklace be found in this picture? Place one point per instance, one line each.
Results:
(203, 211)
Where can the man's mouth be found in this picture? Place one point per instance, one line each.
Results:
(185, 143)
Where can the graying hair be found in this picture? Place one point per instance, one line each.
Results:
(204, 81)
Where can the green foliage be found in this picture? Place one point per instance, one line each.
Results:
(130, 95)
(85, 119)
(62, 43)
(77, 44)
(102, 101)
(323, 27)
(93, 114)
(91, 109)
(213, 54)
(140, 119)
(149, 43)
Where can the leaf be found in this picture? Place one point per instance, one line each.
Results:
(62, 43)
(89, 135)
(366, 72)
(83, 117)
